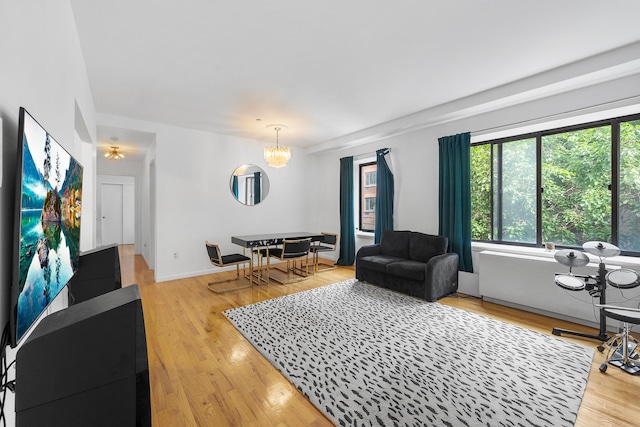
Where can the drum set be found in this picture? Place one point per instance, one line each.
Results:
(594, 284)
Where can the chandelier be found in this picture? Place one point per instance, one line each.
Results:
(114, 154)
(278, 156)
(240, 170)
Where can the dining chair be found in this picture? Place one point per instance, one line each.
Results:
(219, 260)
(291, 252)
(329, 243)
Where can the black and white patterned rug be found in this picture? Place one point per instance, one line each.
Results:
(367, 356)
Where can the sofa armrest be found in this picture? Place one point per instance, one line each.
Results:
(441, 276)
(368, 250)
(363, 252)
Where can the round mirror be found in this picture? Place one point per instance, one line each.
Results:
(249, 184)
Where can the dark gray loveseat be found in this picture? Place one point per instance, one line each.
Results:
(413, 263)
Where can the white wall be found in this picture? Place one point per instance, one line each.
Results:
(527, 280)
(42, 70)
(415, 158)
(87, 226)
(149, 209)
(194, 202)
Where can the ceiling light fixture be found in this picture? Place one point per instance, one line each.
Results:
(240, 170)
(114, 154)
(278, 156)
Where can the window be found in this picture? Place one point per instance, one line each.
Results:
(576, 173)
(481, 192)
(370, 178)
(566, 186)
(628, 187)
(367, 202)
(516, 201)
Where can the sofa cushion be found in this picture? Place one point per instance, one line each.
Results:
(408, 269)
(395, 243)
(423, 247)
(377, 262)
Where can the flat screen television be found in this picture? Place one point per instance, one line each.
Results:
(47, 224)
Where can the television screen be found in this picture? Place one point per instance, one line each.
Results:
(48, 211)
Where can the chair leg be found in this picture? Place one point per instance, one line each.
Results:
(219, 287)
(268, 270)
(244, 270)
(621, 353)
(291, 268)
(244, 267)
(299, 270)
(315, 262)
(260, 267)
(258, 271)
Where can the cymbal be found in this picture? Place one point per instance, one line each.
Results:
(601, 249)
(571, 258)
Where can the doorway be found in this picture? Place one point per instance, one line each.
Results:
(116, 219)
(112, 214)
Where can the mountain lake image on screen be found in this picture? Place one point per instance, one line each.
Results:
(49, 223)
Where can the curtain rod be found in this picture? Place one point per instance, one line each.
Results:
(364, 155)
(552, 116)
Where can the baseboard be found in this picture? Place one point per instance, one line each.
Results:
(178, 276)
(595, 325)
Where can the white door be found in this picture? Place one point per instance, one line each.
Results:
(112, 217)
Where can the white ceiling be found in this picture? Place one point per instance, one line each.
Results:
(327, 68)
(132, 143)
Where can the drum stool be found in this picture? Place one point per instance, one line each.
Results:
(622, 346)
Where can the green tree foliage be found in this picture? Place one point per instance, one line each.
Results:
(629, 215)
(481, 192)
(576, 199)
(576, 173)
(57, 170)
(47, 158)
(519, 191)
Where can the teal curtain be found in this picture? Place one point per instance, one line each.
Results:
(257, 195)
(347, 227)
(234, 186)
(454, 213)
(384, 196)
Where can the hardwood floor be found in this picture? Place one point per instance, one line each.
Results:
(204, 373)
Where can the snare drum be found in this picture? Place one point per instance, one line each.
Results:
(571, 283)
(622, 278)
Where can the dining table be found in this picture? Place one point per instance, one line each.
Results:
(271, 239)
(255, 242)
